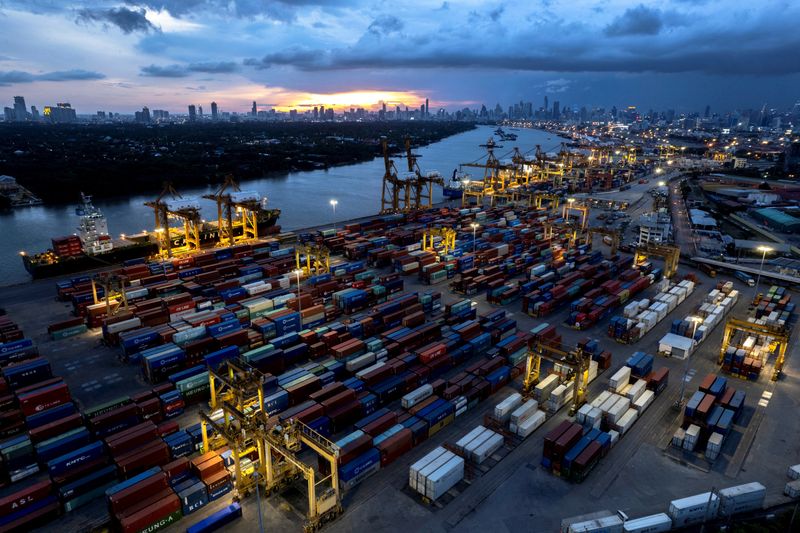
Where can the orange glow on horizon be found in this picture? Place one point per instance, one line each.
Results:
(345, 100)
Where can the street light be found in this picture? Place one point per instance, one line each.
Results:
(662, 183)
(696, 320)
(474, 227)
(763, 250)
(298, 272)
(659, 170)
(333, 205)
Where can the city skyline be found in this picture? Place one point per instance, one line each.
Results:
(110, 55)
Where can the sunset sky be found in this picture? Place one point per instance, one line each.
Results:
(166, 54)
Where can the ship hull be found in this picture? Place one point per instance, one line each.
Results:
(447, 192)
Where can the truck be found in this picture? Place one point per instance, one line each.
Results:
(744, 277)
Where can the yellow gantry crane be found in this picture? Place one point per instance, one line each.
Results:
(613, 236)
(779, 340)
(313, 259)
(247, 205)
(670, 254)
(170, 204)
(410, 192)
(573, 207)
(497, 178)
(114, 296)
(250, 431)
(446, 236)
(576, 360)
(421, 185)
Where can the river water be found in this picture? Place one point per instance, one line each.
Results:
(303, 197)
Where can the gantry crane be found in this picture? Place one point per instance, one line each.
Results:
(313, 259)
(114, 296)
(671, 255)
(495, 178)
(395, 196)
(779, 339)
(170, 204)
(576, 360)
(248, 205)
(248, 429)
(612, 234)
(446, 243)
(421, 185)
(582, 210)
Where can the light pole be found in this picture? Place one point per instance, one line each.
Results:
(696, 320)
(299, 302)
(474, 227)
(763, 250)
(258, 503)
(333, 205)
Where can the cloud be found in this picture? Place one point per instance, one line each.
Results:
(559, 85)
(17, 76)
(127, 20)
(639, 20)
(182, 71)
(385, 24)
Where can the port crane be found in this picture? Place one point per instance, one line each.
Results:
(576, 360)
(446, 236)
(247, 205)
(613, 236)
(313, 259)
(572, 207)
(779, 340)
(498, 179)
(170, 204)
(670, 254)
(421, 185)
(266, 447)
(114, 296)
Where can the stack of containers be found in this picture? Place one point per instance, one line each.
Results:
(436, 473)
(640, 316)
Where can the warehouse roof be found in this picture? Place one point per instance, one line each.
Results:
(778, 216)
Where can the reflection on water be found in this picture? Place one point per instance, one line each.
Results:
(303, 197)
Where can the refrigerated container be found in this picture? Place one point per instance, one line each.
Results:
(693, 509)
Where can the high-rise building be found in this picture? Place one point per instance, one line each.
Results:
(708, 111)
(254, 111)
(61, 113)
(200, 111)
(214, 111)
(192, 113)
(546, 106)
(556, 109)
(322, 112)
(8, 114)
(427, 114)
(34, 114)
(20, 110)
(397, 112)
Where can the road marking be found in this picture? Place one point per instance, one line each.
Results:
(766, 396)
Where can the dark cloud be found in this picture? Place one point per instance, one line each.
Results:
(282, 10)
(17, 76)
(639, 20)
(127, 20)
(385, 24)
(182, 71)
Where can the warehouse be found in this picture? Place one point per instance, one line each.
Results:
(777, 219)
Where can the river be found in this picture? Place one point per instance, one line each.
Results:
(303, 197)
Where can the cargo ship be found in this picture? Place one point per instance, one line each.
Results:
(455, 187)
(93, 247)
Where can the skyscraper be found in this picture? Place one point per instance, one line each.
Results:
(192, 113)
(556, 110)
(427, 114)
(20, 111)
(254, 111)
(546, 106)
(200, 111)
(214, 111)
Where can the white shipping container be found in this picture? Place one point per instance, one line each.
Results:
(602, 397)
(444, 478)
(430, 468)
(742, 498)
(677, 437)
(636, 390)
(620, 408)
(626, 421)
(524, 411)
(648, 524)
(503, 409)
(614, 434)
(414, 469)
(545, 387)
(644, 401)
(531, 424)
(609, 403)
(620, 379)
(362, 361)
(693, 509)
(485, 450)
(417, 395)
(714, 442)
(594, 418)
(609, 524)
(477, 442)
(580, 416)
(125, 325)
(792, 489)
(793, 472)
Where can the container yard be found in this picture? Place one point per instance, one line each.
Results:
(384, 372)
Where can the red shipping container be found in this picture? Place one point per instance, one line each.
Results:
(37, 401)
(25, 497)
(166, 507)
(129, 496)
(55, 428)
(395, 446)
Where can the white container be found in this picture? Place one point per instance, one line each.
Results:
(354, 365)
(524, 411)
(545, 387)
(531, 424)
(609, 524)
(742, 498)
(594, 418)
(715, 442)
(417, 395)
(677, 437)
(793, 472)
(626, 421)
(605, 395)
(693, 509)
(619, 409)
(636, 390)
(580, 416)
(416, 468)
(644, 401)
(485, 450)
(477, 442)
(444, 478)
(792, 489)
(609, 403)
(469, 437)
(503, 409)
(614, 434)
(656, 523)
(620, 379)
